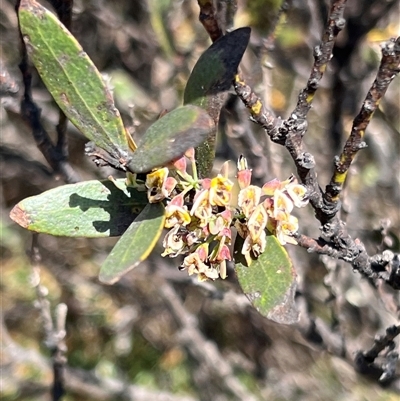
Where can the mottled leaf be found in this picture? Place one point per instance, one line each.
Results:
(72, 79)
(209, 83)
(169, 137)
(86, 209)
(135, 244)
(269, 281)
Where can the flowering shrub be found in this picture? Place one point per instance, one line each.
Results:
(201, 214)
(210, 220)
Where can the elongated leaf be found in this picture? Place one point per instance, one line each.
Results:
(209, 83)
(269, 282)
(170, 136)
(216, 68)
(135, 245)
(72, 79)
(86, 209)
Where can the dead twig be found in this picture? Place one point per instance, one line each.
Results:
(388, 69)
(386, 370)
(205, 352)
(54, 332)
(208, 18)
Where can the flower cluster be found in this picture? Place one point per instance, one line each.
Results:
(201, 213)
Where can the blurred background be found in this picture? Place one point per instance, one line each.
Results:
(157, 334)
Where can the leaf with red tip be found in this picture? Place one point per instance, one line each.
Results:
(86, 209)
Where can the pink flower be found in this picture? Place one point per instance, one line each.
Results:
(243, 173)
(176, 213)
(180, 164)
(219, 257)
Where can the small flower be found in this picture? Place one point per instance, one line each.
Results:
(256, 245)
(222, 220)
(244, 173)
(270, 187)
(269, 206)
(196, 263)
(206, 183)
(180, 164)
(220, 191)
(173, 242)
(190, 154)
(298, 194)
(159, 185)
(176, 213)
(224, 171)
(248, 199)
(202, 208)
(202, 250)
(210, 273)
(219, 257)
(257, 222)
(254, 232)
(194, 236)
(169, 185)
(282, 203)
(241, 228)
(285, 229)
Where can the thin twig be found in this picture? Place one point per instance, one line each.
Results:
(80, 383)
(317, 332)
(226, 10)
(54, 333)
(202, 350)
(208, 17)
(388, 69)
(295, 127)
(259, 113)
(384, 371)
(322, 56)
(290, 132)
(335, 240)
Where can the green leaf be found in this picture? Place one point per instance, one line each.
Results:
(135, 244)
(209, 83)
(269, 282)
(169, 138)
(86, 209)
(72, 79)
